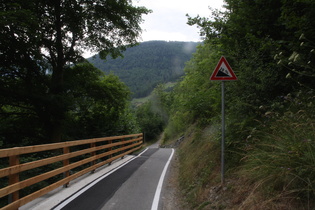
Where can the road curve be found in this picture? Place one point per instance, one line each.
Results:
(136, 185)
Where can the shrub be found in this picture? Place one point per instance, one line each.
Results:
(281, 156)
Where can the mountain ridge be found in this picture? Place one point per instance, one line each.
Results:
(144, 66)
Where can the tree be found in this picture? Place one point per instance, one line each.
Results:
(250, 39)
(40, 39)
(151, 123)
(99, 103)
(297, 49)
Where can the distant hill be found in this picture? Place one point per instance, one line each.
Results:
(148, 64)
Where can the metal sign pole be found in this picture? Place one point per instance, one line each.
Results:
(223, 134)
(223, 72)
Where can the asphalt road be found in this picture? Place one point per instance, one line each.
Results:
(136, 185)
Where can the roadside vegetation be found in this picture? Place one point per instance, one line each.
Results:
(270, 145)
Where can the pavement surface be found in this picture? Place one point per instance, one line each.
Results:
(134, 183)
(139, 190)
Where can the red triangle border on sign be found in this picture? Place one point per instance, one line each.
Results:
(214, 74)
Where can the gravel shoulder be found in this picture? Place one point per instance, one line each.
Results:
(171, 196)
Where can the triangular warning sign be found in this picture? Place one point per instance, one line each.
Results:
(223, 71)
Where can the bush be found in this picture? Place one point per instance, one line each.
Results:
(151, 123)
(281, 153)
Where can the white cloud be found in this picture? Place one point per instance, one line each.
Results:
(168, 25)
(168, 20)
(168, 36)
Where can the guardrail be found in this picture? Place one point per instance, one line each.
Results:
(75, 158)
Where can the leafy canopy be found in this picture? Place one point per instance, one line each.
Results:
(42, 39)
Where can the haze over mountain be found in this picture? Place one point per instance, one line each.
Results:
(148, 64)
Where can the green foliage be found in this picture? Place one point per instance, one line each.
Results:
(269, 109)
(177, 124)
(195, 98)
(144, 66)
(199, 156)
(99, 103)
(153, 112)
(197, 94)
(163, 97)
(40, 40)
(250, 40)
(281, 151)
(150, 122)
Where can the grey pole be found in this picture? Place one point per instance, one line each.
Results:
(223, 134)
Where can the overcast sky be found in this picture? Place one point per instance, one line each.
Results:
(168, 20)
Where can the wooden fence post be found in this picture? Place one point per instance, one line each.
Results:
(93, 154)
(110, 149)
(14, 178)
(65, 163)
(123, 139)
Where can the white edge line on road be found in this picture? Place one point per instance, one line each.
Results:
(157, 195)
(75, 195)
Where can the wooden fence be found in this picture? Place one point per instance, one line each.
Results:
(75, 158)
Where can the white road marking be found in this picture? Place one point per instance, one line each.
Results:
(157, 195)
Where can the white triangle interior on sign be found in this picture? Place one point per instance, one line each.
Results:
(223, 71)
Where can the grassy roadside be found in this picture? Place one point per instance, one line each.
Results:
(277, 172)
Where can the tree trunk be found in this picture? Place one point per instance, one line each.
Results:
(57, 108)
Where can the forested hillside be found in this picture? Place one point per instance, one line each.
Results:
(144, 66)
(270, 117)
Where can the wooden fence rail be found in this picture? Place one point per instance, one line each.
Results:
(75, 158)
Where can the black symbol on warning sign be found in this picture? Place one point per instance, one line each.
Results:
(223, 73)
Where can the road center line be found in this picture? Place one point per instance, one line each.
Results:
(157, 195)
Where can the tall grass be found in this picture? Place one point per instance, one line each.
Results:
(282, 157)
(199, 155)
